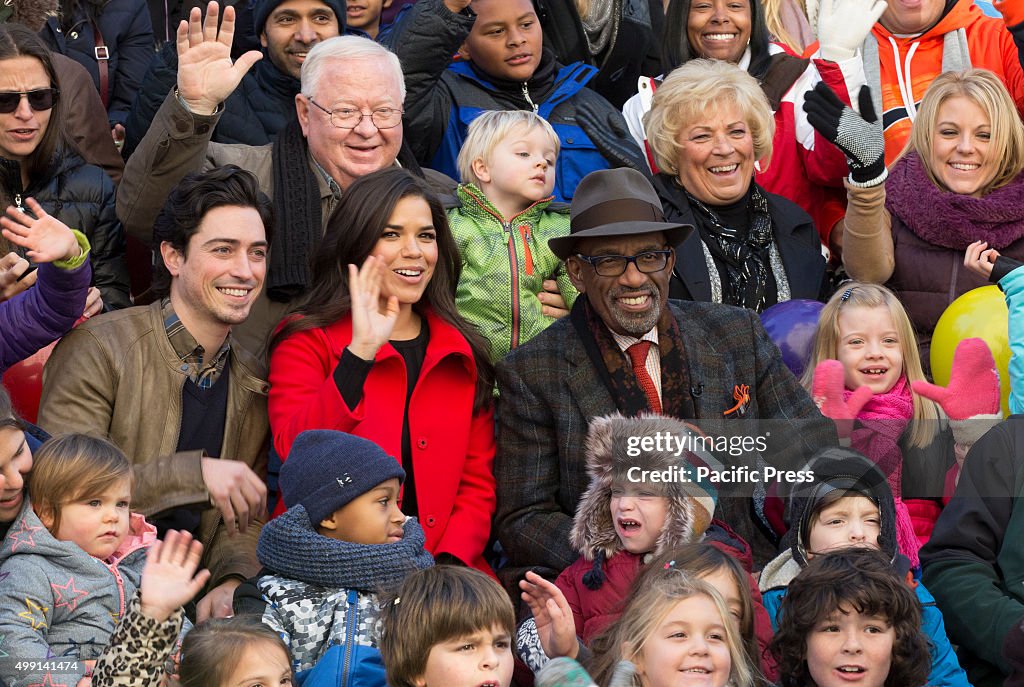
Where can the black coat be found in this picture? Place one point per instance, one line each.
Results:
(795, 235)
(81, 196)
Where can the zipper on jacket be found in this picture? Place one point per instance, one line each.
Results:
(350, 633)
(17, 202)
(513, 261)
(526, 94)
(120, 590)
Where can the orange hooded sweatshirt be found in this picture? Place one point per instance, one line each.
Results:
(990, 46)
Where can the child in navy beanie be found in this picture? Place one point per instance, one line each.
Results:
(342, 542)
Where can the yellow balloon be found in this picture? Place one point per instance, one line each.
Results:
(978, 313)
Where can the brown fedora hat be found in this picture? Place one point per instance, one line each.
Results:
(616, 202)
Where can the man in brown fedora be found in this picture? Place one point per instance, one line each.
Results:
(625, 347)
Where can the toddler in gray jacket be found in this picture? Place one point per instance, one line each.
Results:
(69, 563)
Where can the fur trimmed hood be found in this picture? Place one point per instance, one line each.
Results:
(31, 13)
(614, 457)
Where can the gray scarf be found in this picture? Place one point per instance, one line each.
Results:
(290, 547)
(600, 24)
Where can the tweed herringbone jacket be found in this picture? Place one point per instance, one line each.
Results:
(550, 390)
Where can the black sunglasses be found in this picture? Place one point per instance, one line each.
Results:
(39, 99)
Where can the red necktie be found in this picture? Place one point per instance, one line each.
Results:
(638, 354)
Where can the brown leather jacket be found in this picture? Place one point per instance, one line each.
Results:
(118, 375)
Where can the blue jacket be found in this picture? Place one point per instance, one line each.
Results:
(946, 670)
(1013, 288)
(127, 32)
(443, 98)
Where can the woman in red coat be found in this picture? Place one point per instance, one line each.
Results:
(379, 351)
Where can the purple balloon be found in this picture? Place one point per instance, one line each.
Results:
(791, 326)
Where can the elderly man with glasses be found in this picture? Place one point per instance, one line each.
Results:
(348, 124)
(626, 348)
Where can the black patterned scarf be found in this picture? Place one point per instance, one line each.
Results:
(742, 253)
(617, 374)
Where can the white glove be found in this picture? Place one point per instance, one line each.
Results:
(844, 24)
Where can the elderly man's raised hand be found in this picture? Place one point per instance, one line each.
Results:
(206, 75)
(44, 237)
(844, 24)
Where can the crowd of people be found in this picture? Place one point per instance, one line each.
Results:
(419, 343)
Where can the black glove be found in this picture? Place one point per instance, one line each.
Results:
(859, 136)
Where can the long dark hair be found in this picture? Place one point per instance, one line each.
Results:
(676, 48)
(353, 230)
(19, 41)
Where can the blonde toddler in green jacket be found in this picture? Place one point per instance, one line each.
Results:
(502, 225)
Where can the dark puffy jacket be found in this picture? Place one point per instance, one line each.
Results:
(128, 34)
(81, 196)
(442, 100)
(262, 105)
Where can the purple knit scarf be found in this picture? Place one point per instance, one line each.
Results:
(953, 220)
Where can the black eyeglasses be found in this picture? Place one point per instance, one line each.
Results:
(39, 99)
(349, 118)
(614, 265)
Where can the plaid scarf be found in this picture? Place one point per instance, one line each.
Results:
(617, 375)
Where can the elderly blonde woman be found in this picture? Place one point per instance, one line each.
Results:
(710, 127)
(959, 180)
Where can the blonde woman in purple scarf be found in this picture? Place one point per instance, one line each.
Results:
(960, 180)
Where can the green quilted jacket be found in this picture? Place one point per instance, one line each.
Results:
(504, 264)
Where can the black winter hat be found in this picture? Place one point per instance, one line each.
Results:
(840, 469)
(262, 9)
(327, 469)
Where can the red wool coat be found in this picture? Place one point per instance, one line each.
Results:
(453, 449)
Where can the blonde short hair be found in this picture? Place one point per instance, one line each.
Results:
(986, 90)
(690, 92)
(826, 347)
(491, 128)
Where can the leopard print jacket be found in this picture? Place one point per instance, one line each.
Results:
(138, 649)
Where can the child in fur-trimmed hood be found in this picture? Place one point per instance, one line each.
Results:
(623, 522)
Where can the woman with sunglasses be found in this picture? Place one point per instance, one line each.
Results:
(38, 161)
(378, 350)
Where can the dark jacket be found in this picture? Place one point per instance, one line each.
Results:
(262, 105)
(550, 390)
(973, 563)
(928, 277)
(81, 196)
(127, 32)
(795, 235)
(443, 98)
(623, 60)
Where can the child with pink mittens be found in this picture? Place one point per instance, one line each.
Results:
(865, 373)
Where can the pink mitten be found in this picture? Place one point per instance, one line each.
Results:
(971, 400)
(973, 383)
(827, 392)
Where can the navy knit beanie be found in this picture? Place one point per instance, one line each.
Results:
(326, 469)
(261, 9)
